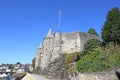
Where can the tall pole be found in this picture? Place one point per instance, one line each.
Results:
(59, 30)
(60, 12)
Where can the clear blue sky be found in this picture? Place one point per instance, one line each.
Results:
(24, 23)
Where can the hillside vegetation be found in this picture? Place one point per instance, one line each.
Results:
(103, 55)
(101, 59)
(99, 55)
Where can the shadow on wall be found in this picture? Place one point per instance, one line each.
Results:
(117, 74)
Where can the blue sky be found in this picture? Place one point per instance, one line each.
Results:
(25, 23)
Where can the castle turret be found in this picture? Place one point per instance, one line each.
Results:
(57, 46)
(48, 48)
(50, 33)
(38, 55)
(48, 42)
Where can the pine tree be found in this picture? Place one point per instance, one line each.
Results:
(111, 28)
(92, 31)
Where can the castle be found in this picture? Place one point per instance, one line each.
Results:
(60, 43)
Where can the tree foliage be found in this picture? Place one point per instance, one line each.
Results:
(90, 45)
(92, 31)
(33, 63)
(11, 66)
(111, 28)
(18, 63)
(3, 64)
(103, 58)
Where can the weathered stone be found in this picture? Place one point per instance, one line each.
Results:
(55, 44)
(97, 76)
(60, 43)
(56, 69)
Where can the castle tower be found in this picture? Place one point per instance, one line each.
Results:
(57, 46)
(48, 40)
(48, 48)
(58, 39)
(38, 56)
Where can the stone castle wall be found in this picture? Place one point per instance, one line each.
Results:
(39, 56)
(60, 43)
(70, 43)
(37, 59)
(96, 76)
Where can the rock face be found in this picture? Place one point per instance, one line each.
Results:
(56, 69)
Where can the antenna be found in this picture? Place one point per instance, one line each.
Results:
(60, 12)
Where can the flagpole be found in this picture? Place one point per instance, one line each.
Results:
(59, 19)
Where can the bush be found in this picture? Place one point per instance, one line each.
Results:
(69, 58)
(114, 60)
(90, 45)
(99, 60)
(72, 70)
(72, 57)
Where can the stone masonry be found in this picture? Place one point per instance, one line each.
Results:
(60, 43)
(97, 76)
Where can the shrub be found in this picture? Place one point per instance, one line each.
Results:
(72, 57)
(92, 62)
(90, 45)
(99, 60)
(72, 70)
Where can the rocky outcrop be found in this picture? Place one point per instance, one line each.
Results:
(56, 69)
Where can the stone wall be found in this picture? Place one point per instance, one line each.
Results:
(96, 76)
(37, 59)
(74, 41)
(60, 43)
(70, 43)
(38, 55)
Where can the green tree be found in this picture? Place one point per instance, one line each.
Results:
(111, 28)
(91, 44)
(3, 64)
(92, 31)
(11, 66)
(7, 64)
(18, 63)
(33, 63)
